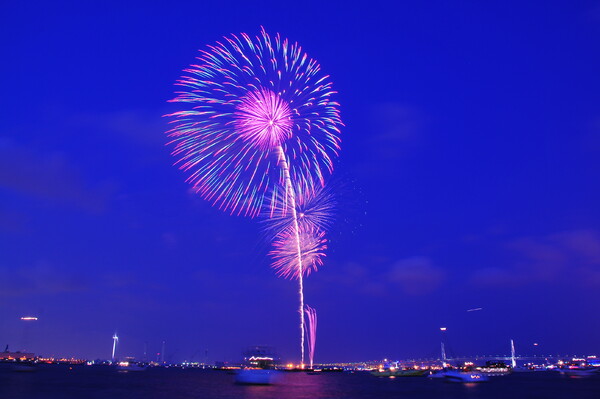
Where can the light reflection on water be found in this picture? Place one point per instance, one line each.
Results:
(86, 382)
(293, 386)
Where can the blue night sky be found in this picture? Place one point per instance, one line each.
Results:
(468, 178)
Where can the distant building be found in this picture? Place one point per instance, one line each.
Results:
(16, 356)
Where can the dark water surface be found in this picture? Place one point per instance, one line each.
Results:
(59, 382)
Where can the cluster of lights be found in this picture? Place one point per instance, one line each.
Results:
(256, 359)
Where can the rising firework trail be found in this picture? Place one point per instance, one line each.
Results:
(311, 332)
(263, 125)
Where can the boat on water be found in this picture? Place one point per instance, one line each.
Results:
(579, 372)
(464, 376)
(131, 366)
(321, 370)
(259, 367)
(495, 369)
(578, 368)
(398, 372)
(464, 373)
(529, 368)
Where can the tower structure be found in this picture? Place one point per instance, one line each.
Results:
(115, 340)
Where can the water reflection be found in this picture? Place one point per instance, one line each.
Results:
(293, 385)
(89, 382)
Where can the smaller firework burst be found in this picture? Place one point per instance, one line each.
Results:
(289, 245)
(314, 210)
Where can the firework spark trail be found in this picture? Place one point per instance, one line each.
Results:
(311, 331)
(292, 201)
(299, 245)
(257, 105)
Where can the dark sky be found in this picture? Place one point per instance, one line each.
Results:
(468, 172)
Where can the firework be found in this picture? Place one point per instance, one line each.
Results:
(291, 263)
(311, 331)
(249, 100)
(262, 128)
(315, 210)
(314, 214)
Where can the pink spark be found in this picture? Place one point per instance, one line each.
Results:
(263, 119)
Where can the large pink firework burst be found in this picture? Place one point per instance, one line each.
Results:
(250, 99)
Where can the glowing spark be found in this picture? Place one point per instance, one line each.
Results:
(29, 318)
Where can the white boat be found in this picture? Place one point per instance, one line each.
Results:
(437, 374)
(257, 376)
(398, 372)
(495, 369)
(579, 372)
(130, 366)
(458, 375)
(464, 376)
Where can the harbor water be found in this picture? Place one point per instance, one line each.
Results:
(62, 382)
